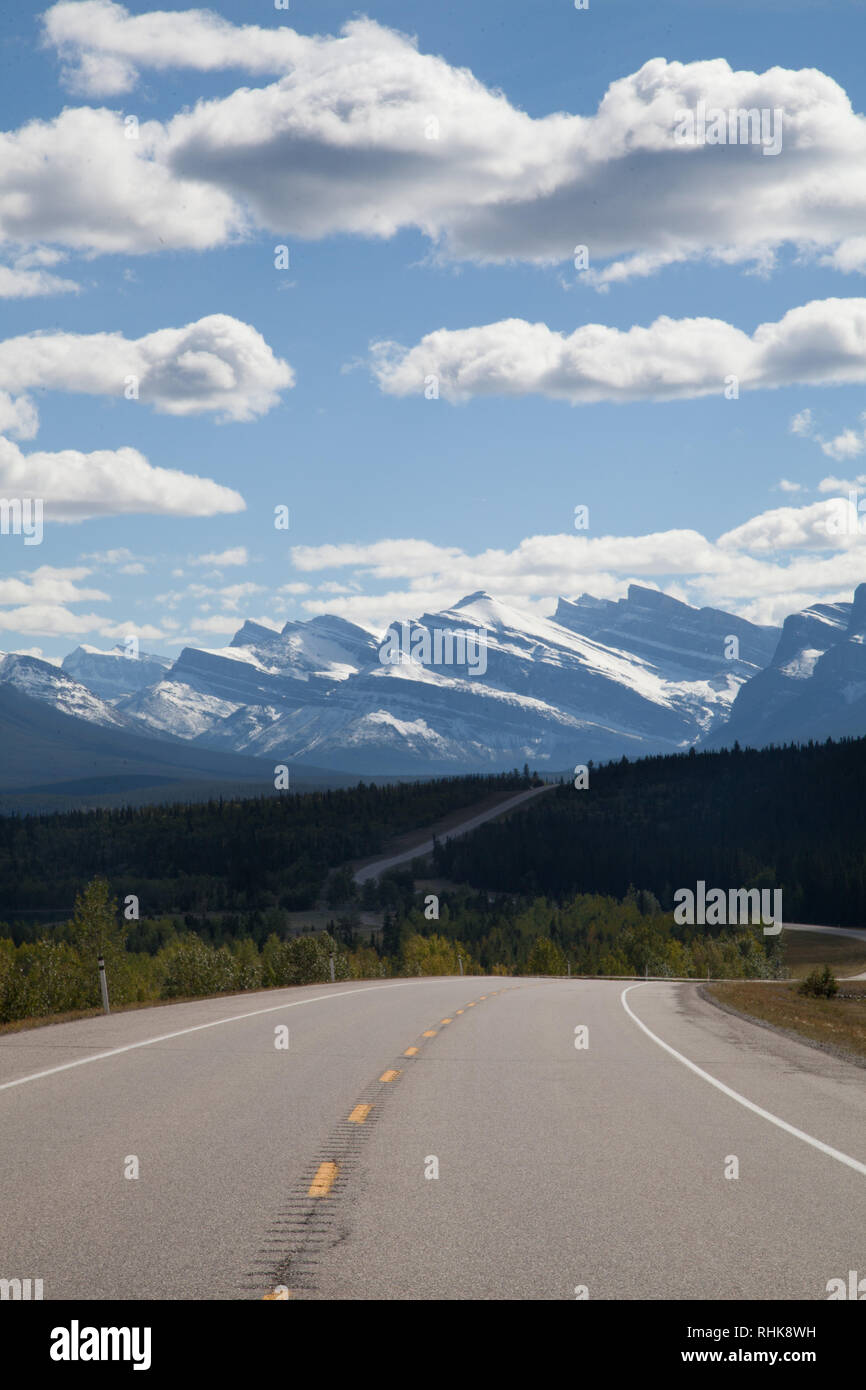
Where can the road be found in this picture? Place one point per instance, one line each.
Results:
(852, 933)
(381, 866)
(559, 1168)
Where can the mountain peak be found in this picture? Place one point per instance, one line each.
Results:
(480, 596)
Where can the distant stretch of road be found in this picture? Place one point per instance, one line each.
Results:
(381, 866)
(853, 934)
(431, 1138)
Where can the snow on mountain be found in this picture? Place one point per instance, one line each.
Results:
(54, 686)
(113, 674)
(484, 685)
(261, 671)
(813, 688)
(639, 676)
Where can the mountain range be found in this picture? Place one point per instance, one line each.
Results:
(598, 679)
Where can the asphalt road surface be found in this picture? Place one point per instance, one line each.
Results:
(559, 1167)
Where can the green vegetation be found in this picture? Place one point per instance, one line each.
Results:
(235, 857)
(789, 818)
(57, 974)
(820, 984)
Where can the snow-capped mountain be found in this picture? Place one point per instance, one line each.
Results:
(815, 685)
(482, 685)
(599, 679)
(113, 674)
(54, 686)
(671, 635)
(261, 674)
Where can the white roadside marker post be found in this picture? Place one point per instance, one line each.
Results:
(103, 985)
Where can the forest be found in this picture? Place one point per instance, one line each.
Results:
(238, 856)
(792, 818)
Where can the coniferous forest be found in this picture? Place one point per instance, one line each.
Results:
(792, 818)
(581, 880)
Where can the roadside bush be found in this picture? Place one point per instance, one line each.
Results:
(819, 984)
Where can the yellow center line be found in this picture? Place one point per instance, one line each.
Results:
(445, 1020)
(359, 1114)
(278, 1293)
(389, 1075)
(459, 1011)
(472, 1005)
(483, 996)
(410, 1052)
(431, 1033)
(324, 1180)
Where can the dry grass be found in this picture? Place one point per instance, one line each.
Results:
(805, 950)
(839, 1023)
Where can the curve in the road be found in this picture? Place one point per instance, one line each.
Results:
(742, 1100)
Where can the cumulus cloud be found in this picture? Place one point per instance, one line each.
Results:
(802, 423)
(363, 133)
(846, 445)
(237, 555)
(821, 343)
(48, 620)
(28, 284)
(75, 486)
(216, 364)
(49, 585)
(102, 46)
(18, 416)
(79, 181)
(772, 565)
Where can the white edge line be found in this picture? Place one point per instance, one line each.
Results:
(741, 1100)
(197, 1028)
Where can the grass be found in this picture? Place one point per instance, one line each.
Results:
(804, 950)
(838, 1023)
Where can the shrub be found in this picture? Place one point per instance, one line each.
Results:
(820, 984)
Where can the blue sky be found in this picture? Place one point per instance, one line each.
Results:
(399, 503)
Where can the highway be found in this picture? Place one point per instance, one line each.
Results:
(560, 1168)
(425, 846)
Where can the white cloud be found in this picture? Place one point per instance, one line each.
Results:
(101, 43)
(773, 564)
(38, 653)
(108, 482)
(840, 485)
(233, 594)
(846, 445)
(341, 143)
(28, 284)
(18, 416)
(236, 556)
(77, 181)
(49, 585)
(146, 632)
(785, 485)
(802, 423)
(48, 620)
(821, 343)
(215, 364)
